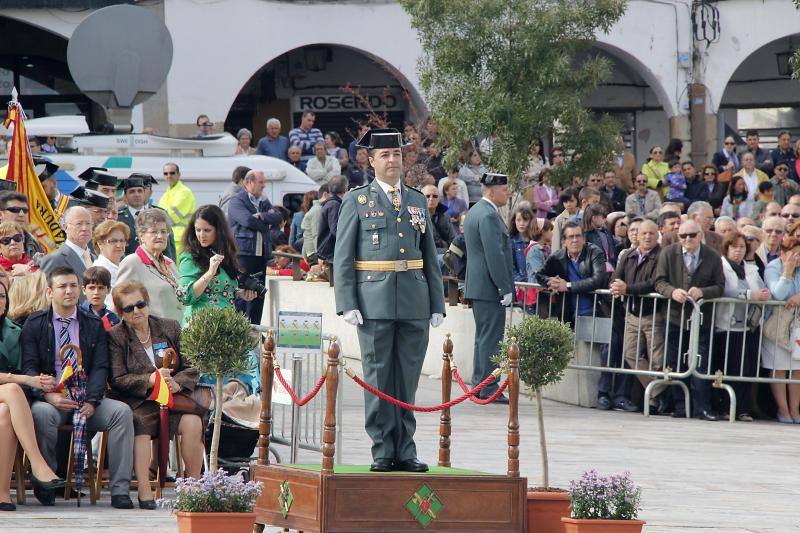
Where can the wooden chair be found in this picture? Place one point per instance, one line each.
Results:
(19, 474)
(90, 468)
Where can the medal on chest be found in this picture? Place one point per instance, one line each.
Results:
(417, 218)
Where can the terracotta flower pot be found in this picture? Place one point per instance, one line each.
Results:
(215, 522)
(582, 525)
(545, 510)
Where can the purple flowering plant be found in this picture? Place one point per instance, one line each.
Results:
(615, 497)
(213, 493)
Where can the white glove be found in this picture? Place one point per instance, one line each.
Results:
(353, 317)
(436, 320)
(506, 301)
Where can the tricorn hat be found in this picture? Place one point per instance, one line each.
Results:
(44, 169)
(90, 198)
(98, 177)
(490, 178)
(147, 179)
(134, 180)
(86, 175)
(381, 138)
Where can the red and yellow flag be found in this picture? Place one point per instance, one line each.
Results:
(161, 392)
(42, 221)
(65, 375)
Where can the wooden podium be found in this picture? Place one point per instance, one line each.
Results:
(343, 498)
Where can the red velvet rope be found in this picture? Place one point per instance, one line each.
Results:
(308, 397)
(480, 401)
(411, 407)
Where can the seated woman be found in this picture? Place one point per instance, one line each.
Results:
(136, 347)
(283, 266)
(12, 250)
(16, 422)
(209, 269)
(26, 296)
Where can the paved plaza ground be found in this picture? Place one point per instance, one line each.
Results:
(696, 476)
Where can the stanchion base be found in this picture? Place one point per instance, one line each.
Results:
(354, 499)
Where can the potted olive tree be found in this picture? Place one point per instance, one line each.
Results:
(545, 349)
(217, 341)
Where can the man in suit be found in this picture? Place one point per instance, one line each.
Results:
(43, 336)
(388, 283)
(74, 252)
(135, 196)
(250, 217)
(689, 270)
(489, 281)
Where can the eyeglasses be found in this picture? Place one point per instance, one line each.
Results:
(5, 241)
(431, 196)
(158, 232)
(141, 304)
(775, 231)
(17, 210)
(709, 173)
(691, 235)
(115, 242)
(790, 215)
(781, 169)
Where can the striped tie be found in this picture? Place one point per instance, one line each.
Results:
(63, 340)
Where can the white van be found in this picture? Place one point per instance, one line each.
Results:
(205, 164)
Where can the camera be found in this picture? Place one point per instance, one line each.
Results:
(253, 282)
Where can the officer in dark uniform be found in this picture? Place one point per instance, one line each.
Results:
(387, 282)
(488, 282)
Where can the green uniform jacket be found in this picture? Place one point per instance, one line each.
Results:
(221, 290)
(489, 265)
(369, 229)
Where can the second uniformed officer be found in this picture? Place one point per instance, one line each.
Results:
(488, 282)
(387, 282)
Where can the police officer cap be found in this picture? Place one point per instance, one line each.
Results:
(100, 177)
(90, 198)
(87, 174)
(377, 138)
(147, 179)
(489, 179)
(132, 181)
(45, 169)
(7, 185)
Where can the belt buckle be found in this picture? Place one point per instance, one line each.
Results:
(401, 265)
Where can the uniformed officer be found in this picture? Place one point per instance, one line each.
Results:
(488, 282)
(387, 282)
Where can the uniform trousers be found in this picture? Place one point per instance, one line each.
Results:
(392, 353)
(490, 324)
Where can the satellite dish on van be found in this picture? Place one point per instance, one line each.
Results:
(119, 56)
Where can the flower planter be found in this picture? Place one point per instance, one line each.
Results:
(215, 522)
(545, 510)
(581, 525)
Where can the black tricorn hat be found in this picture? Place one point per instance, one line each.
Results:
(489, 179)
(100, 177)
(45, 169)
(87, 174)
(377, 138)
(8, 185)
(134, 180)
(90, 198)
(147, 179)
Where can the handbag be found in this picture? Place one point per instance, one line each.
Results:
(197, 402)
(779, 327)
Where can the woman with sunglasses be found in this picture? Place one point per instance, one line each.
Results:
(656, 170)
(12, 250)
(711, 191)
(726, 159)
(136, 348)
(109, 239)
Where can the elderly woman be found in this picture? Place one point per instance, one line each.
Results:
(110, 238)
(244, 137)
(735, 325)
(782, 277)
(333, 143)
(27, 295)
(322, 167)
(16, 422)
(209, 269)
(149, 265)
(471, 174)
(136, 349)
(12, 250)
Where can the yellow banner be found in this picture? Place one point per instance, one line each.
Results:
(42, 221)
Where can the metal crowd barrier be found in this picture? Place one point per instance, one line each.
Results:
(301, 427)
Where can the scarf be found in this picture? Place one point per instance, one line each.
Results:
(737, 267)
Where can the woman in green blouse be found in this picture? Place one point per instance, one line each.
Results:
(208, 265)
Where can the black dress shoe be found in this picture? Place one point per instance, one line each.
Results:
(147, 505)
(45, 497)
(53, 484)
(382, 465)
(410, 465)
(7, 506)
(121, 501)
(711, 416)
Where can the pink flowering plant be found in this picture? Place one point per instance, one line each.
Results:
(213, 493)
(610, 498)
